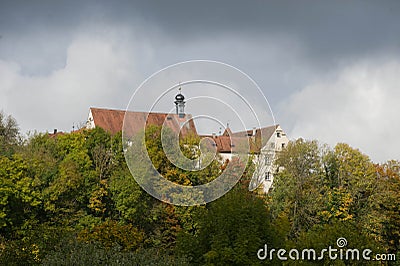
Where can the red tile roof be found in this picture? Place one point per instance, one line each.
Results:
(259, 139)
(113, 120)
(228, 138)
(223, 143)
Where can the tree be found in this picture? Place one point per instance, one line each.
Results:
(230, 231)
(9, 134)
(67, 195)
(111, 233)
(99, 146)
(356, 175)
(383, 219)
(130, 202)
(321, 236)
(296, 194)
(19, 194)
(81, 253)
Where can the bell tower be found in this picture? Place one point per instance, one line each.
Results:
(180, 104)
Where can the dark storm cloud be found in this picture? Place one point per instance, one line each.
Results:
(297, 51)
(326, 29)
(36, 33)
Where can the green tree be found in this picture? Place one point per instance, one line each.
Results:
(230, 231)
(9, 134)
(296, 194)
(81, 253)
(130, 202)
(321, 236)
(356, 175)
(19, 194)
(41, 155)
(67, 195)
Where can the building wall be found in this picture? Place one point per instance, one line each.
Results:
(264, 162)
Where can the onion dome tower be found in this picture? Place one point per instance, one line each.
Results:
(180, 104)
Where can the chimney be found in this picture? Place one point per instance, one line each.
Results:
(55, 131)
(254, 131)
(214, 135)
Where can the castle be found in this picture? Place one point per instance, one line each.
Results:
(264, 143)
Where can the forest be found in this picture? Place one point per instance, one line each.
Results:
(70, 199)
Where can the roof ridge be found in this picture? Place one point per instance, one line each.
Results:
(120, 110)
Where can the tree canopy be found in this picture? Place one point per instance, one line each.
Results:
(70, 199)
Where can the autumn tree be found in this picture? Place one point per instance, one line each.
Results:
(383, 219)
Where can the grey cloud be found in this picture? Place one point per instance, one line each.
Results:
(358, 107)
(285, 46)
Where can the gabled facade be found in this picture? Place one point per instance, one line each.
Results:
(275, 141)
(264, 143)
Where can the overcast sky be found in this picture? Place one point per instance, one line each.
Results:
(330, 70)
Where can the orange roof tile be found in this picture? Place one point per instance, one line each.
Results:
(259, 140)
(113, 120)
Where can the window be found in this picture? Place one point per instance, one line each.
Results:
(268, 176)
(267, 159)
(283, 145)
(278, 134)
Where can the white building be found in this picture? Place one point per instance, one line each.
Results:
(264, 144)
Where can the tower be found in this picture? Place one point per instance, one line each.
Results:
(180, 104)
